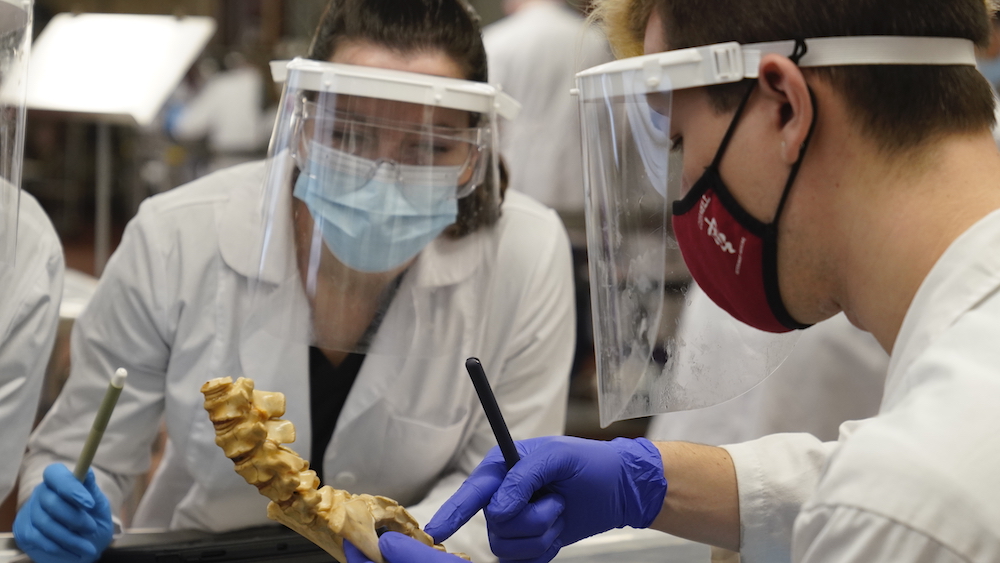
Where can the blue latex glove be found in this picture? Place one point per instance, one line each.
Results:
(397, 548)
(590, 487)
(64, 521)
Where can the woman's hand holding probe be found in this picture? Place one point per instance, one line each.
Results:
(64, 521)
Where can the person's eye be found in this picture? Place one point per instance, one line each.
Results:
(342, 136)
(442, 147)
(352, 139)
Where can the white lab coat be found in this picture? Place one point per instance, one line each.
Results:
(173, 306)
(534, 55)
(29, 315)
(834, 373)
(918, 482)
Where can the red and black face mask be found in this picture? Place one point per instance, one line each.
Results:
(732, 255)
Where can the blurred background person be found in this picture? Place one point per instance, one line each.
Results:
(988, 58)
(988, 63)
(227, 112)
(534, 54)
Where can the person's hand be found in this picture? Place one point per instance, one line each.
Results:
(397, 548)
(587, 487)
(64, 521)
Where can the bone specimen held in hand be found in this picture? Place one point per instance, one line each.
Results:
(248, 430)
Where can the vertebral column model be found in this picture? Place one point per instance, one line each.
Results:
(249, 432)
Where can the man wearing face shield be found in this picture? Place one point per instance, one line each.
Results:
(31, 259)
(837, 156)
(354, 271)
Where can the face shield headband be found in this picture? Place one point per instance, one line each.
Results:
(632, 179)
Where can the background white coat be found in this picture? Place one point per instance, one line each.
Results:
(534, 55)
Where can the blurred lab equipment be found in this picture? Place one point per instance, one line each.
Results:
(122, 68)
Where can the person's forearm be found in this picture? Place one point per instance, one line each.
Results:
(702, 501)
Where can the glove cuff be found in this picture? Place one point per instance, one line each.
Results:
(647, 486)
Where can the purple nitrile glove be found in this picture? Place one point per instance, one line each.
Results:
(397, 548)
(590, 486)
(64, 521)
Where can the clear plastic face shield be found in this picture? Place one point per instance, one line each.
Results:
(370, 173)
(632, 179)
(15, 44)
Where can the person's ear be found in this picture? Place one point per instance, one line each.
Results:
(781, 81)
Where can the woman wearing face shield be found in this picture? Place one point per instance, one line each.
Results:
(354, 271)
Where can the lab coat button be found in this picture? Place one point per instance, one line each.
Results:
(346, 479)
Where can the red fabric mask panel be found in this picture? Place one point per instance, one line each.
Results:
(725, 256)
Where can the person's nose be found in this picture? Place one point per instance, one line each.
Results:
(389, 146)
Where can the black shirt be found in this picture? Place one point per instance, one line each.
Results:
(329, 385)
(328, 389)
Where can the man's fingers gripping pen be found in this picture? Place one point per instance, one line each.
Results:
(100, 423)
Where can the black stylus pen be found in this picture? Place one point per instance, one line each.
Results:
(492, 410)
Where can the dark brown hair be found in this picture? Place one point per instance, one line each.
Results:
(900, 107)
(451, 26)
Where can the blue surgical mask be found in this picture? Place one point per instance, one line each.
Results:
(376, 215)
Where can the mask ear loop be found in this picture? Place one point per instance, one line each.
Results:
(800, 50)
(315, 249)
(732, 127)
(771, 286)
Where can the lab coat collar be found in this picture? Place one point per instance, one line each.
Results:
(967, 273)
(243, 233)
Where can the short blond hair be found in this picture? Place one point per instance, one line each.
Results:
(624, 24)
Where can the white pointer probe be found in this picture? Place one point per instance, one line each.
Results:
(100, 423)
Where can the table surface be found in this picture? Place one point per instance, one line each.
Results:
(616, 546)
(628, 545)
